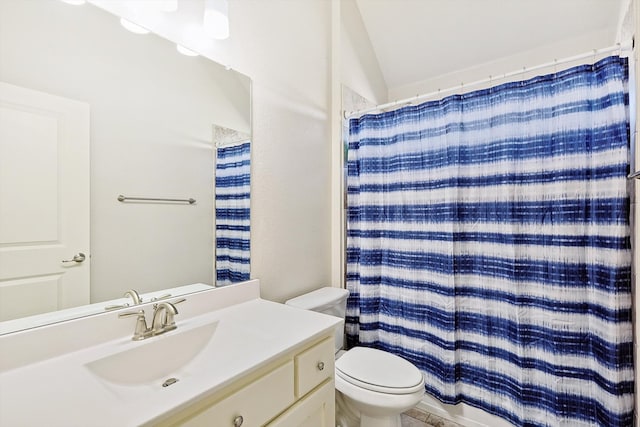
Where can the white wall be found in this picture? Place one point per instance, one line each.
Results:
(152, 112)
(285, 47)
(360, 70)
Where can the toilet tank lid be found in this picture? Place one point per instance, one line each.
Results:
(319, 298)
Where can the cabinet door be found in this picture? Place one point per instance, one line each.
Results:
(251, 406)
(318, 409)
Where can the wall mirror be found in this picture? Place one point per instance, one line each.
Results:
(89, 112)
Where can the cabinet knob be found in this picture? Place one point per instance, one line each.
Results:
(237, 421)
(320, 366)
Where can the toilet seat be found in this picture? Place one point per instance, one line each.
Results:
(379, 371)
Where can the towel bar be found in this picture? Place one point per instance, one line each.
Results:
(122, 198)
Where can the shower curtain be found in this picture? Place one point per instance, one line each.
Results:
(488, 242)
(232, 213)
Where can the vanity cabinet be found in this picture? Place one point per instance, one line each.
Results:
(296, 390)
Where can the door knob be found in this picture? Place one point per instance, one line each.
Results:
(79, 257)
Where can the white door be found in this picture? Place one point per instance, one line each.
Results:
(44, 202)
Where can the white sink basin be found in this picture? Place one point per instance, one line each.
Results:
(156, 359)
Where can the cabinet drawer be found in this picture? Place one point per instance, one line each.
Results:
(313, 366)
(257, 403)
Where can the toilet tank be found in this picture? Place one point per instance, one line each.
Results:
(332, 301)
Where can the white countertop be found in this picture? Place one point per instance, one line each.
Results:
(61, 390)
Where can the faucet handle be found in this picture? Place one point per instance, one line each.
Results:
(161, 297)
(131, 313)
(116, 307)
(142, 331)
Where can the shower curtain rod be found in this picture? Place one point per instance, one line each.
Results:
(230, 143)
(626, 46)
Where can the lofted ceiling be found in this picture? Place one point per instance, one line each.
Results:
(415, 40)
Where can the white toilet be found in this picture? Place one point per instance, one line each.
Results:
(373, 387)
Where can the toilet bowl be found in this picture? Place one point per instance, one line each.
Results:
(376, 386)
(373, 387)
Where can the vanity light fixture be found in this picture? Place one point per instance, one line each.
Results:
(134, 28)
(183, 50)
(75, 2)
(216, 19)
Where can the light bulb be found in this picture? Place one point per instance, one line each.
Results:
(216, 19)
(183, 50)
(134, 28)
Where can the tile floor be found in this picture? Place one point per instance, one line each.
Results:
(418, 418)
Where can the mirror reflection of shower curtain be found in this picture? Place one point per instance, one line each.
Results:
(232, 190)
(489, 244)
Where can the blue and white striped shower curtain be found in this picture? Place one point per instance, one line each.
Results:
(232, 213)
(489, 244)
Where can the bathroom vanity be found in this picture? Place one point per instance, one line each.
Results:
(234, 360)
(296, 390)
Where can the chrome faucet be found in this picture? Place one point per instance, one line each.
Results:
(162, 321)
(163, 318)
(135, 296)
